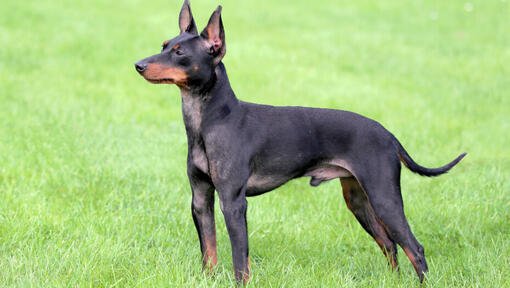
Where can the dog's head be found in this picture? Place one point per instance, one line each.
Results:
(189, 59)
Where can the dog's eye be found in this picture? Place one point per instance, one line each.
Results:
(179, 52)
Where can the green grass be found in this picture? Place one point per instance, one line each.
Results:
(93, 190)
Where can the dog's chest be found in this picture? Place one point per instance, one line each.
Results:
(199, 158)
(192, 114)
(191, 111)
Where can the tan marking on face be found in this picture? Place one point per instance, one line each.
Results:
(176, 46)
(195, 68)
(162, 74)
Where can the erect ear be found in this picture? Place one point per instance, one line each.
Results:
(214, 34)
(186, 21)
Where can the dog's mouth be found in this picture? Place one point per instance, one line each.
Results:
(161, 81)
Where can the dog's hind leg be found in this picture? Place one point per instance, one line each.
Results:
(382, 186)
(357, 202)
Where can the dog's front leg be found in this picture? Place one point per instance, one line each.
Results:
(234, 205)
(202, 209)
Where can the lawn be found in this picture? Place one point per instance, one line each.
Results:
(93, 186)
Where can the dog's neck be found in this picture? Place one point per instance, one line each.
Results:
(208, 103)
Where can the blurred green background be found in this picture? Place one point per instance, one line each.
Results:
(93, 188)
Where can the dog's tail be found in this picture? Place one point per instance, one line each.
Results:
(416, 168)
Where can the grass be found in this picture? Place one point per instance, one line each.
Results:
(92, 158)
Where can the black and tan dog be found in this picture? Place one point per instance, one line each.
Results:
(243, 149)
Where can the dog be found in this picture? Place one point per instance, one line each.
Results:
(243, 149)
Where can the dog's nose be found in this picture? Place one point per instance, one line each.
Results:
(140, 67)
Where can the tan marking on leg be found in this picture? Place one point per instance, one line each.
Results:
(375, 224)
(347, 185)
(389, 254)
(211, 256)
(411, 258)
(380, 243)
(247, 275)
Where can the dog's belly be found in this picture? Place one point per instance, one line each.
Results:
(259, 184)
(327, 172)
